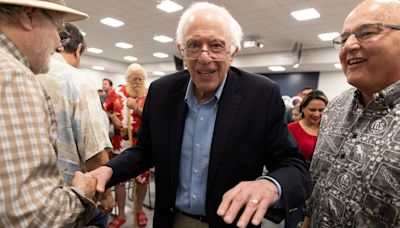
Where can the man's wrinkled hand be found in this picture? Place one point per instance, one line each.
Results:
(254, 196)
(87, 184)
(103, 175)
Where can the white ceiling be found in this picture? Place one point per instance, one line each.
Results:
(268, 19)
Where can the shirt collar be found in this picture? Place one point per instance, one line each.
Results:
(387, 96)
(10, 47)
(189, 96)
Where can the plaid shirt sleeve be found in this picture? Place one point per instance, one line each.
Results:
(32, 190)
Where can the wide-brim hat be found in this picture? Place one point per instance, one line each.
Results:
(55, 5)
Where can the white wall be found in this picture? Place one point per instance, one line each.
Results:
(332, 83)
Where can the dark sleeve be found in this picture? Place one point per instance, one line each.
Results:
(284, 162)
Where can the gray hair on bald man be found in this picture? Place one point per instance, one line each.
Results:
(135, 67)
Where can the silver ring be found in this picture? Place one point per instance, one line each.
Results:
(253, 201)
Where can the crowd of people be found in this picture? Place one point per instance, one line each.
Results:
(209, 131)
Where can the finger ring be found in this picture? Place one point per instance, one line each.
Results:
(253, 201)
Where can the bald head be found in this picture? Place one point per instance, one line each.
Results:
(387, 11)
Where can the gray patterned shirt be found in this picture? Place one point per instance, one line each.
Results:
(356, 163)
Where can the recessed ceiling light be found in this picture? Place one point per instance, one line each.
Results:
(159, 73)
(123, 45)
(305, 14)
(98, 68)
(169, 6)
(163, 39)
(95, 50)
(296, 65)
(112, 22)
(249, 43)
(276, 68)
(328, 36)
(160, 55)
(82, 32)
(130, 58)
(338, 66)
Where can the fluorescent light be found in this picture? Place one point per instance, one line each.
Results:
(296, 65)
(163, 39)
(249, 44)
(82, 32)
(159, 73)
(328, 36)
(160, 55)
(169, 6)
(95, 50)
(305, 14)
(112, 22)
(98, 68)
(276, 68)
(123, 45)
(338, 66)
(130, 58)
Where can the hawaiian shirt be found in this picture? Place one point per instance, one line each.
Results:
(81, 121)
(116, 104)
(356, 164)
(32, 190)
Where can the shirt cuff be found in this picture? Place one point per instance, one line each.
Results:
(277, 185)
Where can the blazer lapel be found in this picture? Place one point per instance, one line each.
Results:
(177, 121)
(227, 108)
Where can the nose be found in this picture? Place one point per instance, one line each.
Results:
(205, 56)
(351, 42)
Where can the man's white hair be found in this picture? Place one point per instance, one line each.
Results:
(233, 26)
(135, 67)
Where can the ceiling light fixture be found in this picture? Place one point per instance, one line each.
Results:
(112, 22)
(276, 68)
(95, 50)
(305, 14)
(169, 6)
(296, 65)
(130, 58)
(338, 66)
(123, 45)
(328, 36)
(162, 38)
(98, 68)
(159, 73)
(160, 55)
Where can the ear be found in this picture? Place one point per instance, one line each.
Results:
(233, 54)
(78, 51)
(27, 18)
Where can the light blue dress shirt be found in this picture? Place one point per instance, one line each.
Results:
(195, 153)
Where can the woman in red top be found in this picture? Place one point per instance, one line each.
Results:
(305, 131)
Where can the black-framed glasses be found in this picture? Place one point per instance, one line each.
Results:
(216, 50)
(64, 35)
(362, 33)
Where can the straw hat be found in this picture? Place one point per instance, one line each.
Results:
(55, 5)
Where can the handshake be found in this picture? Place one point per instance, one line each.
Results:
(92, 186)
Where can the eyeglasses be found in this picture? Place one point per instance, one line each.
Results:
(216, 50)
(363, 33)
(65, 37)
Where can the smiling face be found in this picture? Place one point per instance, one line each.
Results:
(313, 111)
(372, 64)
(207, 27)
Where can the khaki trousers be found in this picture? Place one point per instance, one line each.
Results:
(183, 221)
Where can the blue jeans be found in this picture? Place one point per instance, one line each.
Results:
(100, 219)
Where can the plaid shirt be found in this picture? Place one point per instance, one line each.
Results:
(32, 192)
